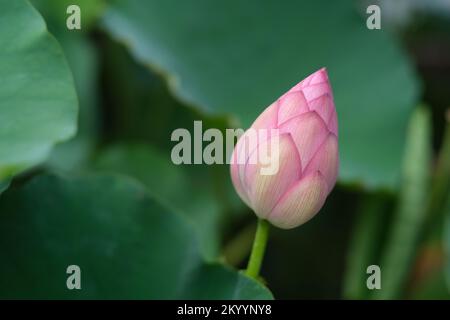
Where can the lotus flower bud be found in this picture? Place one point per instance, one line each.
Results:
(303, 122)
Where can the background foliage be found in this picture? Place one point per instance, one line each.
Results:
(110, 200)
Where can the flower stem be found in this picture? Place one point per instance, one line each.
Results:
(259, 246)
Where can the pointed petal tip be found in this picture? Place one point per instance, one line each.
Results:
(319, 76)
(323, 69)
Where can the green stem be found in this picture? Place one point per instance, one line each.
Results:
(259, 246)
(403, 238)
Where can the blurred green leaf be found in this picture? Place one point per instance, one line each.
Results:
(237, 57)
(141, 111)
(401, 245)
(172, 185)
(90, 11)
(126, 244)
(138, 106)
(83, 61)
(4, 185)
(38, 104)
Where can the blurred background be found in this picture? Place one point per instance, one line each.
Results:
(144, 68)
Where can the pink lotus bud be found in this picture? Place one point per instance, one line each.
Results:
(304, 123)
